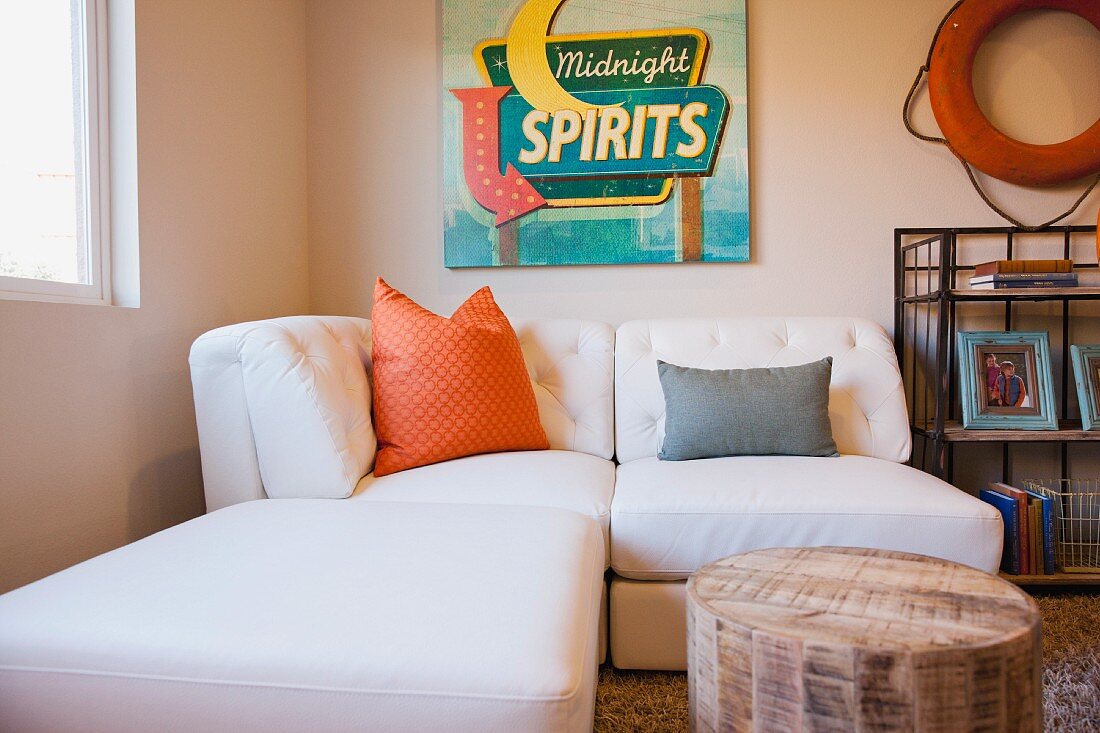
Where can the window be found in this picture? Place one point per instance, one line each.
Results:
(54, 167)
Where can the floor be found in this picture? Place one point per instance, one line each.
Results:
(657, 701)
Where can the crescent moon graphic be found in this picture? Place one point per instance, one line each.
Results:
(526, 53)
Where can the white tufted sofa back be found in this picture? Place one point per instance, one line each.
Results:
(866, 399)
(572, 365)
(283, 405)
(283, 408)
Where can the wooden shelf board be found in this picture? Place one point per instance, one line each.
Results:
(1056, 579)
(1039, 293)
(954, 432)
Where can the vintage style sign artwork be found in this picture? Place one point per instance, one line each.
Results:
(594, 132)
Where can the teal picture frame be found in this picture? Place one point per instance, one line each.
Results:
(1086, 372)
(985, 372)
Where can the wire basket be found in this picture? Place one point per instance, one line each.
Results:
(1076, 505)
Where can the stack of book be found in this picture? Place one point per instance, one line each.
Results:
(1024, 274)
(1029, 529)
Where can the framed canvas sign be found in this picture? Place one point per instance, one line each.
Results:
(1006, 380)
(1086, 371)
(594, 132)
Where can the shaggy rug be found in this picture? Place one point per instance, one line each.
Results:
(657, 701)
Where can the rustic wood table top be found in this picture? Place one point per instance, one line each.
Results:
(844, 638)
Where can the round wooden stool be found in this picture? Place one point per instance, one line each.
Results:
(841, 639)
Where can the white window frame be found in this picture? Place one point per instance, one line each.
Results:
(97, 188)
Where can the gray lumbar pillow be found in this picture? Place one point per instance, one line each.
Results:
(746, 412)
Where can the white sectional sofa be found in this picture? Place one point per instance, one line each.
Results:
(521, 541)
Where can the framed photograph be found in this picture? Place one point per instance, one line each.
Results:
(1086, 370)
(1006, 381)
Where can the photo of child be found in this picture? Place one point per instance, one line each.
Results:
(992, 374)
(1011, 389)
(1006, 379)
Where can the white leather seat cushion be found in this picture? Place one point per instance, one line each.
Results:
(555, 478)
(315, 615)
(669, 518)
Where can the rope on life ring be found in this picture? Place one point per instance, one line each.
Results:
(969, 135)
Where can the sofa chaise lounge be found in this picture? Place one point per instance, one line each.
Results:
(284, 589)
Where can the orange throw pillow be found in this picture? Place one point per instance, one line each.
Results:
(448, 387)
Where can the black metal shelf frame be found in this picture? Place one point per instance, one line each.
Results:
(926, 299)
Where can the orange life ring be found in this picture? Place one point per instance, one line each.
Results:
(969, 134)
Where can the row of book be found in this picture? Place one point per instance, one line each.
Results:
(1029, 529)
(1001, 274)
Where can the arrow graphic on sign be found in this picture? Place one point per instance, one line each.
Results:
(509, 196)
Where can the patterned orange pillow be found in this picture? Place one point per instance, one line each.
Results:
(448, 387)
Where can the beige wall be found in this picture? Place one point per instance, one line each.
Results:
(97, 428)
(832, 169)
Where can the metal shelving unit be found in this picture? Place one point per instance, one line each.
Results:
(929, 297)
